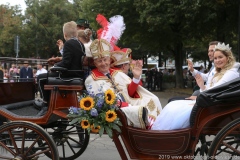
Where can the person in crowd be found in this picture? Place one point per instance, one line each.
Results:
(34, 73)
(1, 74)
(165, 71)
(201, 69)
(158, 80)
(176, 114)
(73, 51)
(123, 86)
(40, 69)
(6, 75)
(149, 77)
(26, 73)
(13, 73)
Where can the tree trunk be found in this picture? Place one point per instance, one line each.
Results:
(178, 65)
(159, 59)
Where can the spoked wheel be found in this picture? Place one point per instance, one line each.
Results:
(18, 141)
(71, 139)
(226, 144)
(203, 145)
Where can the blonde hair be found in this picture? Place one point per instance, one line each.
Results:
(85, 34)
(70, 29)
(231, 61)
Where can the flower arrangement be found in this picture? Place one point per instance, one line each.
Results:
(96, 112)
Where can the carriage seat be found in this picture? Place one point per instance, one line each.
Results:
(19, 110)
(227, 93)
(63, 81)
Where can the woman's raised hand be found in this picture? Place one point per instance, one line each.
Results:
(200, 81)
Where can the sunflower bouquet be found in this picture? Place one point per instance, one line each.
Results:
(96, 112)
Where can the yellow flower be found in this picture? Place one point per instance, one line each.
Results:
(95, 129)
(111, 116)
(85, 124)
(109, 97)
(87, 103)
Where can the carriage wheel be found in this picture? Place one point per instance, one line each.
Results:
(67, 137)
(202, 146)
(18, 141)
(226, 144)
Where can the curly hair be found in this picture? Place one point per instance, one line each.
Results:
(85, 34)
(230, 62)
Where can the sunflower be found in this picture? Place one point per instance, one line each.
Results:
(109, 97)
(111, 116)
(95, 129)
(85, 124)
(87, 103)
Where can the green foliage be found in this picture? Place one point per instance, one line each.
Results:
(44, 22)
(10, 26)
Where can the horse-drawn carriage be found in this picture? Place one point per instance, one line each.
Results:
(25, 136)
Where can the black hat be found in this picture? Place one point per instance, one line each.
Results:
(83, 22)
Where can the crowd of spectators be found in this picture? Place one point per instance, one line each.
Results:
(22, 72)
(155, 77)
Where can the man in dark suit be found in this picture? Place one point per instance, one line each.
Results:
(73, 51)
(26, 73)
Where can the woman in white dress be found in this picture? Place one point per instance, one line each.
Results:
(176, 114)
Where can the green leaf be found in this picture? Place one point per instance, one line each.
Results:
(96, 124)
(109, 131)
(101, 130)
(118, 122)
(103, 115)
(75, 120)
(89, 130)
(116, 127)
(70, 116)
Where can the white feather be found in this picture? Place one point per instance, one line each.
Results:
(115, 30)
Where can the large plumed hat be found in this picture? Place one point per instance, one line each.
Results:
(120, 57)
(100, 48)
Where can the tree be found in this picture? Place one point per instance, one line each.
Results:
(189, 24)
(43, 26)
(10, 26)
